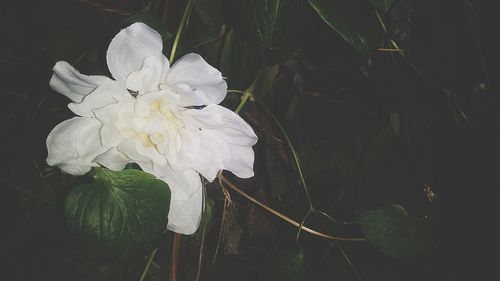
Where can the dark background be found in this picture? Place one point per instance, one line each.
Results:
(370, 131)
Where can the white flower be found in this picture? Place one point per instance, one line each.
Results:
(146, 115)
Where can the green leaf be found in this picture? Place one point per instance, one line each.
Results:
(275, 24)
(264, 80)
(120, 215)
(285, 266)
(239, 61)
(382, 5)
(352, 20)
(395, 233)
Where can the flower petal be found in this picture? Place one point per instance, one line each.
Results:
(197, 81)
(185, 213)
(229, 125)
(226, 142)
(108, 115)
(183, 182)
(134, 149)
(107, 93)
(68, 81)
(160, 101)
(130, 47)
(73, 144)
(212, 155)
(113, 159)
(153, 72)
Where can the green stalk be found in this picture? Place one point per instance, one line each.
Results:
(182, 26)
(244, 99)
(148, 264)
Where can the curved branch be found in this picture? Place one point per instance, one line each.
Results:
(284, 217)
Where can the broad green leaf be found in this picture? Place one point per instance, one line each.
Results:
(120, 214)
(286, 266)
(264, 80)
(352, 20)
(382, 5)
(395, 233)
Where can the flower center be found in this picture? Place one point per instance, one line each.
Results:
(154, 124)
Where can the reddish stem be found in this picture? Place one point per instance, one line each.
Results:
(175, 257)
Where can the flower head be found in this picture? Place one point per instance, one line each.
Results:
(148, 114)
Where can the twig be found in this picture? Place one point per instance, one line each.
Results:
(227, 201)
(106, 8)
(202, 247)
(389, 50)
(284, 217)
(292, 149)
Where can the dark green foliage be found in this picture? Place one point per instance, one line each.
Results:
(264, 80)
(352, 20)
(283, 266)
(239, 61)
(276, 24)
(121, 215)
(395, 233)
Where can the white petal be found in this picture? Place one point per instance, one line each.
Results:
(183, 182)
(226, 142)
(153, 72)
(161, 101)
(68, 81)
(129, 48)
(185, 213)
(113, 159)
(212, 155)
(197, 81)
(145, 147)
(108, 115)
(241, 161)
(107, 93)
(139, 153)
(73, 144)
(229, 125)
(128, 148)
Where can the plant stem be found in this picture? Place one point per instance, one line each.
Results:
(235, 91)
(175, 256)
(202, 247)
(294, 152)
(182, 25)
(148, 264)
(244, 99)
(284, 217)
(106, 8)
